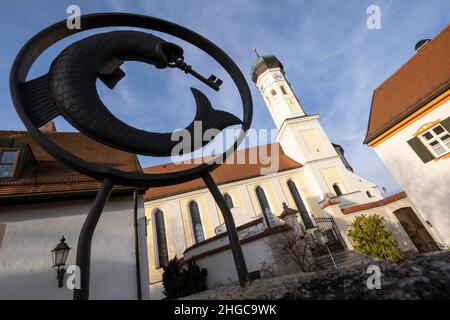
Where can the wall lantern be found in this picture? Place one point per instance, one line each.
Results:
(60, 254)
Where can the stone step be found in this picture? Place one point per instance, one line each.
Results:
(343, 259)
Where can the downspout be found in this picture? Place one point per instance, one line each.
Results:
(136, 243)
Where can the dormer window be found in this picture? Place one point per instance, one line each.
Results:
(8, 161)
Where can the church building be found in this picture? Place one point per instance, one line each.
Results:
(313, 178)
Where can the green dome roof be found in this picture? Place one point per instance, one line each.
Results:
(262, 63)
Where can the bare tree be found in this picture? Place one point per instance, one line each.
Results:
(291, 247)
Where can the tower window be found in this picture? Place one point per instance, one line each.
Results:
(283, 89)
(8, 159)
(273, 92)
(161, 241)
(196, 222)
(337, 189)
(264, 204)
(369, 194)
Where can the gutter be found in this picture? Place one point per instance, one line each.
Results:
(136, 244)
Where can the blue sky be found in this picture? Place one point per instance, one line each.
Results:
(330, 57)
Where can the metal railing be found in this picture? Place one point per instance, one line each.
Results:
(331, 231)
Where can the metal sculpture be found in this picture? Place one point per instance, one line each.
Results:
(69, 90)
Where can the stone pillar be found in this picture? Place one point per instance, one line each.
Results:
(331, 207)
(290, 217)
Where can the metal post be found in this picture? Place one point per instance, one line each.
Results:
(236, 249)
(85, 239)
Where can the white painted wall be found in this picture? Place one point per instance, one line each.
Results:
(33, 230)
(221, 267)
(343, 222)
(427, 184)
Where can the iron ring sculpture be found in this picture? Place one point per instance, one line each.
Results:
(56, 94)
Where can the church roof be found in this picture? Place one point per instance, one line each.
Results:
(46, 176)
(262, 63)
(425, 76)
(226, 173)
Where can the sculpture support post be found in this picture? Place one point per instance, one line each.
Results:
(85, 239)
(236, 248)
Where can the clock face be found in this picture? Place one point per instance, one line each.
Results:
(277, 76)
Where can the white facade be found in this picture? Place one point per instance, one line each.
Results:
(33, 230)
(344, 221)
(427, 184)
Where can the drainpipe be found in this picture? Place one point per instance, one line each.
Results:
(136, 243)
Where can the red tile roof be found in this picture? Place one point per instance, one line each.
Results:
(422, 78)
(226, 173)
(47, 175)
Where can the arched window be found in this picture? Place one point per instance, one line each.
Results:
(161, 241)
(300, 205)
(228, 200)
(283, 89)
(337, 189)
(196, 222)
(369, 194)
(273, 92)
(264, 204)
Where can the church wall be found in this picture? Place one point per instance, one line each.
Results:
(33, 230)
(425, 183)
(309, 200)
(344, 221)
(246, 208)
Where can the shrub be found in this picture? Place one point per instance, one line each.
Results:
(371, 237)
(180, 281)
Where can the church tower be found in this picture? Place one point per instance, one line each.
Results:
(268, 75)
(303, 139)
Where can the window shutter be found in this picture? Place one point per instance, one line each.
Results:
(422, 151)
(446, 124)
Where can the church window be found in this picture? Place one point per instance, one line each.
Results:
(264, 204)
(337, 189)
(273, 92)
(8, 159)
(228, 200)
(283, 89)
(161, 240)
(369, 194)
(196, 222)
(300, 205)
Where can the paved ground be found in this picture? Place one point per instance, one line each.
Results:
(424, 276)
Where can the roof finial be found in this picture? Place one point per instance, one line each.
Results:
(254, 50)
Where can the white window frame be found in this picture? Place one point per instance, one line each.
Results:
(435, 137)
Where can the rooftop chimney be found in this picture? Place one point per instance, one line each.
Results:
(48, 127)
(422, 43)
